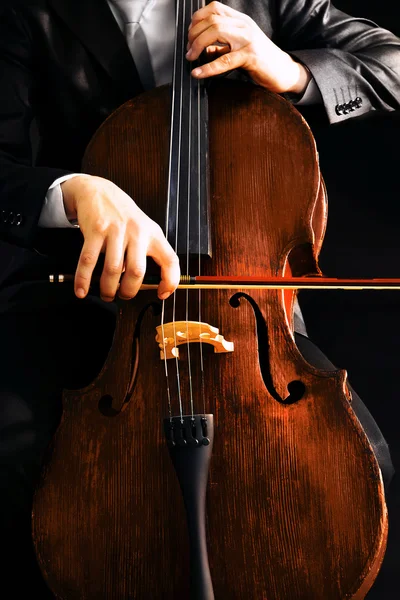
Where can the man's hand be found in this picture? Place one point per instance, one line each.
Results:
(112, 223)
(239, 43)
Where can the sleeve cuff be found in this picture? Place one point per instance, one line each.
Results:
(53, 211)
(343, 90)
(311, 95)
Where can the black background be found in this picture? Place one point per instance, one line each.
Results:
(360, 331)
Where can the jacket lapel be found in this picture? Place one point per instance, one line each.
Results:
(94, 24)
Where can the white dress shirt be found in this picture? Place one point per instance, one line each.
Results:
(158, 24)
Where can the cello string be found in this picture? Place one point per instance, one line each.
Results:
(174, 100)
(189, 189)
(166, 362)
(169, 205)
(202, 374)
(181, 58)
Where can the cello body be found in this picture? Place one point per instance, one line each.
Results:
(295, 504)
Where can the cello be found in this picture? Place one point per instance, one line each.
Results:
(208, 459)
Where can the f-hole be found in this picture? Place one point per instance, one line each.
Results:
(105, 404)
(296, 388)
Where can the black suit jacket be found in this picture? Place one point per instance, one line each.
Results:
(65, 64)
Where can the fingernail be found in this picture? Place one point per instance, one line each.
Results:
(189, 53)
(164, 295)
(197, 72)
(80, 292)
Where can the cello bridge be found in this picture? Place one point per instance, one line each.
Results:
(171, 335)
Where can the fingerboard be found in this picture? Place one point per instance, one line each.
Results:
(187, 221)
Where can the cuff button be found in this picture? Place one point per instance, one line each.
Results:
(352, 105)
(339, 109)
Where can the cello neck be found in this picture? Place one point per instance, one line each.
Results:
(187, 217)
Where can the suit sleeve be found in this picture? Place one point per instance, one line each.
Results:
(354, 62)
(23, 186)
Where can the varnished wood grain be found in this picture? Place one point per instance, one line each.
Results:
(296, 508)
